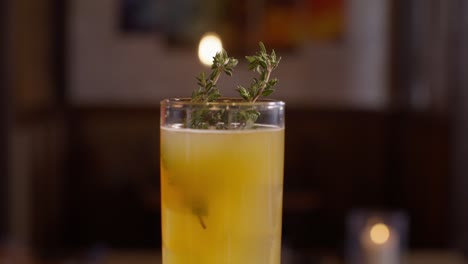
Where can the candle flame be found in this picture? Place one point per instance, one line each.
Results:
(379, 233)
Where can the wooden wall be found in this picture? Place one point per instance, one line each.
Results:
(336, 161)
(3, 118)
(35, 140)
(93, 172)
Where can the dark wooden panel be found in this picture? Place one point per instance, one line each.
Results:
(336, 161)
(4, 96)
(113, 188)
(425, 176)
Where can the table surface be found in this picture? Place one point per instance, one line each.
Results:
(415, 257)
(152, 257)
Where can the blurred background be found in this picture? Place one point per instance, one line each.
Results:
(377, 111)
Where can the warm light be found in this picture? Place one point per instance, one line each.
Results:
(209, 45)
(379, 233)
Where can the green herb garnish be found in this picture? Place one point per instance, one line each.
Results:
(207, 90)
(263, 63)
(209, 117)
(200, 210)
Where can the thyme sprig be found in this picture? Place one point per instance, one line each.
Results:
(262, 63)
(207, 116)
(207, 90)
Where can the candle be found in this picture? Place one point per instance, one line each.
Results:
(380, 244)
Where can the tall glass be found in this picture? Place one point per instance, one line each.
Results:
(221, 182)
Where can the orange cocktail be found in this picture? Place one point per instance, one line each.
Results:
(222, 192)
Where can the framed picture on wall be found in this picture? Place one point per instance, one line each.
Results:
(141, 51)
(281, 23)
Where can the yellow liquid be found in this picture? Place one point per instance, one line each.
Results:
(221, 196)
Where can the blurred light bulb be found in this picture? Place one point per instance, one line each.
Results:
(209, 45)
(379, 233)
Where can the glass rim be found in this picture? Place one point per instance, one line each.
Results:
(222, 101)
